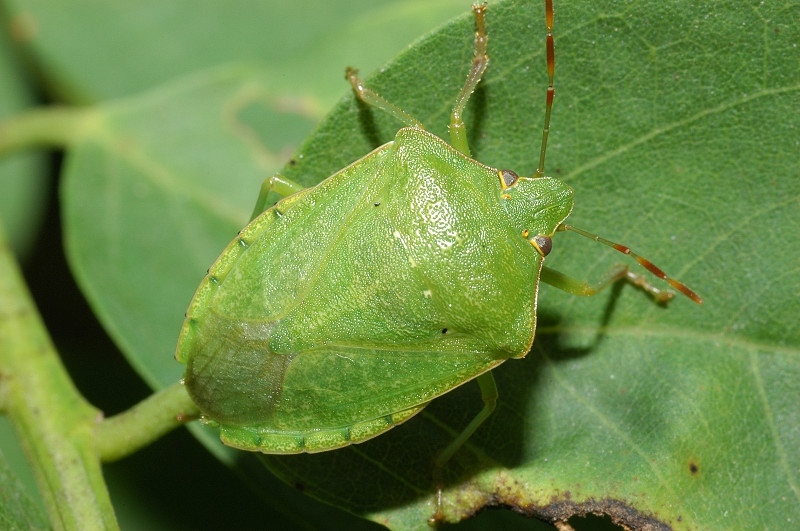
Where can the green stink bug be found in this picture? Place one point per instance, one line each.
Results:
(344, 309)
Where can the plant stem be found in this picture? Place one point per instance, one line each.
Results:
(148, 420)
(48, 126)
(54, 423)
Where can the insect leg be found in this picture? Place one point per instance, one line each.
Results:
(489, 395)
(278, 184)
(458, 131)
(618, 272)
(644, 262)
(370, 97)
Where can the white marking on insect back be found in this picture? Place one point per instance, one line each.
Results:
(447, 241)
(345, 357)
(399, 236)
(435, 216)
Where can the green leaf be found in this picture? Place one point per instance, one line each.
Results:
(23, 185)
(677, 127)
(93, 50)
(17, 510)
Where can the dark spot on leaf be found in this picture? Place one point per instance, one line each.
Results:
(292, 162)
(562, 507)
(377, 203)
(300, 486)
(444, 330)
(24, 27)
(777, 30)
(693, 468)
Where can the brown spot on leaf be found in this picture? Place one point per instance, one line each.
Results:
(24, 27)
(562, 507)
(620, 513)
(559, 509)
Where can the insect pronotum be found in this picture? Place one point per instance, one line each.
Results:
(345, 308)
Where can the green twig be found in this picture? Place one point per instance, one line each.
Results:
(54, 423)
(48, 126)
(151, 418)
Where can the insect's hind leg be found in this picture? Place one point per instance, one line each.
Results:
(278, 184)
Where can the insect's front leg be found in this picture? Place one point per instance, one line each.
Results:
(582, 288)
(458, 131)
(618, 272)
(278, 184)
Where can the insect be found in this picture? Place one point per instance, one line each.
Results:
(345, 308)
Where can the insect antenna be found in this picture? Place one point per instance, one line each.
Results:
(551, 65)
(647, 264)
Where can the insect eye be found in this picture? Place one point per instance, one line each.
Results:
(543, 244)
(508, 178)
